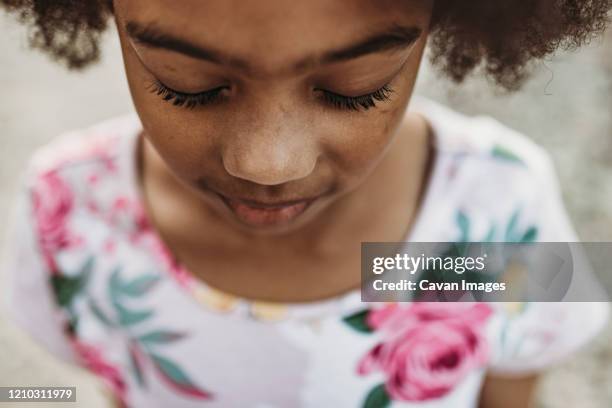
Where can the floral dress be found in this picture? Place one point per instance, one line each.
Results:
(91, 280)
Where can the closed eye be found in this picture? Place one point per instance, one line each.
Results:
(336, 100)
(188, 100)
(356, 103)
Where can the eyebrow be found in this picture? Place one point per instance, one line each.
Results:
(395, 37)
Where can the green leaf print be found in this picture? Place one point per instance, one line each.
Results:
(135, 364)
(95, 309)
(129, 317)
(377, 398)
(66, 288)
(118, 288)
(490, 235)
(530, 235)
(115, 284)
(511, 232)
(504, 153)
(174, 375)
(358, 321)
(464, 226)
(511, 226)
(437, 273)
(138, 286)
(161, 337)
(72, 323)
(514, 234)
(122, 292)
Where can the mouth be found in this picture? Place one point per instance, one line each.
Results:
(260, 214)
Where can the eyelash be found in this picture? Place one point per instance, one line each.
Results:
(184, 99)
(335, 100)
(355, 103)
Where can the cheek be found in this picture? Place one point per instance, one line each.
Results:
(184, 139)
(355, 150)
(356, 145)
(185, 145)
(185, 149)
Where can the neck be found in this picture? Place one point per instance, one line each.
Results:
(382, 208)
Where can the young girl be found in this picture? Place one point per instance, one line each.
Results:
(205, 251)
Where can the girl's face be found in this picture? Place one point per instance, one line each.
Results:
(271, 111)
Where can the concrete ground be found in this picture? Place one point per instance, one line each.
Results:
(565, 107)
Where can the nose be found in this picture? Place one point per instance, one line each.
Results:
(270, 152)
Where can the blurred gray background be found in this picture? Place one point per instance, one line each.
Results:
(566, 106)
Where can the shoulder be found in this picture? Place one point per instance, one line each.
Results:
(493, 178)
(76, 150)
(79, 182)
(83, 164)
(485, 140)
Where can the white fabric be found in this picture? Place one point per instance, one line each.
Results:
(207, 348)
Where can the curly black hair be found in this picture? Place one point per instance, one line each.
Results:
(502, 36)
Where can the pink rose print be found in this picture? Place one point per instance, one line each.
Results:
(130, 211)
(93, 360)
(394, 317)
(53, 202)
(428, 348)
(145, 231)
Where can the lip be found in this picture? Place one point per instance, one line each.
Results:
(260, 214)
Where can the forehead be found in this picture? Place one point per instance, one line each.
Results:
(279, 29)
